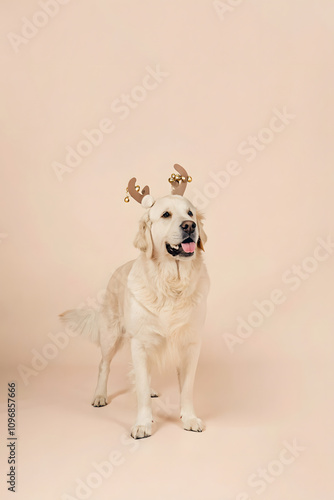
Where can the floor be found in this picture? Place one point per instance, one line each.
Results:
(269, 431)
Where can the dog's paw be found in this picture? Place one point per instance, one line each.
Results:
(141, 431)
(99, 401)
(193, 424)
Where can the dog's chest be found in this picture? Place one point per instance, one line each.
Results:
(160, 306)
(175, 314)
(174, 317)
(163, 317)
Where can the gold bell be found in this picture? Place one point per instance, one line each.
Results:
(189, 178)
(126, 199)
(137, 188)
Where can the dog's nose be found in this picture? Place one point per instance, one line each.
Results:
(188, 226)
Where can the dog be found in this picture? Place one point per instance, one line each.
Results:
(157, 302)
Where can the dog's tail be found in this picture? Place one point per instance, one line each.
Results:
(83, 322)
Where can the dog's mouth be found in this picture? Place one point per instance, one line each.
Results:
(186, 248)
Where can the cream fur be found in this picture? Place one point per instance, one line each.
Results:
(158, 303)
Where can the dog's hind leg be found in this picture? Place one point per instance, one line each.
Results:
(100, 396)
(153, 392)
(110, 343)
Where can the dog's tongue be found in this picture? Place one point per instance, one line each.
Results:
(188, 247)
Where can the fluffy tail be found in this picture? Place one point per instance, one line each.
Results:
(83, 322)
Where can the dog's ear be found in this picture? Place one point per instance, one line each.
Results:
(143, 240)
(202, 237)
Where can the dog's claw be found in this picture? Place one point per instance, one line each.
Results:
(193, 424)
(141, 431)
(99, 401)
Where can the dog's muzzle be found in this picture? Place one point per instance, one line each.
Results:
(186, 248)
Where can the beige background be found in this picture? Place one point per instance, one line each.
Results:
(228, 74)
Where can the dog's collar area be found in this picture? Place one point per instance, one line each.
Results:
(185, 249)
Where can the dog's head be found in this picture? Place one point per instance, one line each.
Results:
(172, 228)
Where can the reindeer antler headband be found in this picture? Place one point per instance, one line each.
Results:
(177, 181)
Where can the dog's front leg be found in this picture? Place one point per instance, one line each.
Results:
(143, 425)
(186, 374)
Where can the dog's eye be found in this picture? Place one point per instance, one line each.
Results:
(190, 213)
(166, 214)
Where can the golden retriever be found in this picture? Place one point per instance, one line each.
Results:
(158, 302)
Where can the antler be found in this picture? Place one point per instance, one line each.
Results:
(179, 182)
(134, 190)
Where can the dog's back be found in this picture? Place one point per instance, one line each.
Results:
(89, 322)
